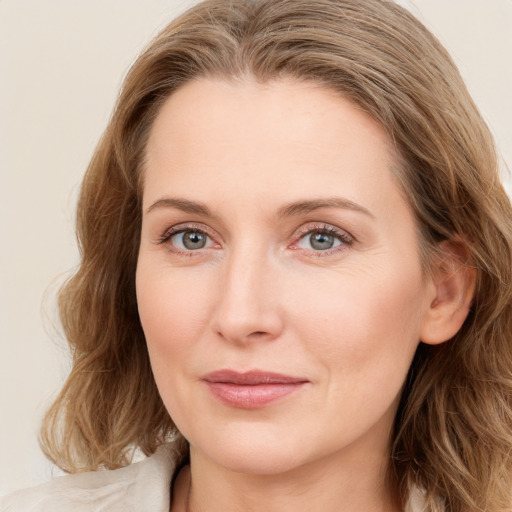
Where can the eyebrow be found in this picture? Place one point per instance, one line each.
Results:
(300, 207)
(310, 205)
(181, 204)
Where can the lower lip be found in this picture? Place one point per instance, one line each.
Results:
(252, 396)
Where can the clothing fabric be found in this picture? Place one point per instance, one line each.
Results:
(140, 487)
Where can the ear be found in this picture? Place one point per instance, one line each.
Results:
(452, 283)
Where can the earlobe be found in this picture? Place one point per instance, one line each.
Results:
(452, 283)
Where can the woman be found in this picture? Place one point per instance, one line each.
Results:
(295, 287)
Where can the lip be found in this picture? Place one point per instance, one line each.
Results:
(252, 389)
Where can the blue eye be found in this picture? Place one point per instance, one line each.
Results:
(190, 240)
(323, 239)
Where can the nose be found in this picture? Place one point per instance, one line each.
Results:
(248, 308)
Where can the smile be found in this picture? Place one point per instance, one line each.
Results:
(253, 389)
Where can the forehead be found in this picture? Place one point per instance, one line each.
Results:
(285, 137)
(305, 110)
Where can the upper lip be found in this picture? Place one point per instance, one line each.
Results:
(251, 378)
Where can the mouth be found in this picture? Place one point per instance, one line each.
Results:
(253, 389)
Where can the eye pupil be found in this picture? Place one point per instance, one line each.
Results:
(321, 241)
(194, 240)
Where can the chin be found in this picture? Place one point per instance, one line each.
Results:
(252, 454)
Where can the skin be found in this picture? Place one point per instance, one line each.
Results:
(260, 296)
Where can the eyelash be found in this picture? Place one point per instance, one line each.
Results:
(176, 230)
(345, 239)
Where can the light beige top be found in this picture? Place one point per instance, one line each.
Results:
(140, 487)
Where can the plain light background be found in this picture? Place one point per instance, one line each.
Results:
(61, 66)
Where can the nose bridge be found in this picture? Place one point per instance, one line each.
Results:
(247, 305)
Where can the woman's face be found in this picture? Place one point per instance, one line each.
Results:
(279, 280)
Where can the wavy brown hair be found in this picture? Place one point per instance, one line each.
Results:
(453, 428)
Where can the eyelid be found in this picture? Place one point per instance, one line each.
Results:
(165, 237)
(344, 236)
(180, 228)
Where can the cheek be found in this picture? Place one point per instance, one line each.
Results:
(363, 327)
(173, 310)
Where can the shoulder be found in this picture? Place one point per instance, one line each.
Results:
(143, 486)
